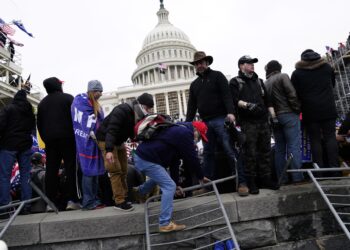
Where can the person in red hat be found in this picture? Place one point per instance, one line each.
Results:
(165, 150)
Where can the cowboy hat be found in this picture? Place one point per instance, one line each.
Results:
(199, 56)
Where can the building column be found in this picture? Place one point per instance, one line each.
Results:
(175, 72)
(167, 103)
(169, 73)
(155, 103)
(184, 101)
(182, 72)
(148, 77)
(179, 101)
(156, 79)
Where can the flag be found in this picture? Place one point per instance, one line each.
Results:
(7, 29)
(20, 25)
(162, 67)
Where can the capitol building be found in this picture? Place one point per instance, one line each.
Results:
(163, 70)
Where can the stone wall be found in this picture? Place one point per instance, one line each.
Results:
(294, 217)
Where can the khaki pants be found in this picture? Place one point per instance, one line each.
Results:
(117, 171)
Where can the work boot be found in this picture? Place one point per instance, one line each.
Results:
(171, 227)
(243, 190)
(253, 188)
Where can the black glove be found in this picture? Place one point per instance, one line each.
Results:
(251, 106)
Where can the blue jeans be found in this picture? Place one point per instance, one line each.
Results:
(158, 176)
(7, 160)
(287, 141)
(218, 134)
(90, 188)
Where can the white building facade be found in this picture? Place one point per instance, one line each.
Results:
(163, 70)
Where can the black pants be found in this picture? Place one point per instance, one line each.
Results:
(56, 151)
(257, 148)
(323, 133)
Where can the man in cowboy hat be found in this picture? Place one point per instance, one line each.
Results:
(210, 96)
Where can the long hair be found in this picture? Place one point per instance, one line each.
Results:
(95, 104)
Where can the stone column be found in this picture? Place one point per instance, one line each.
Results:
(184, 100)
(179, 101)
(156, 73)
(182, 72)
(167, 103)
(175, 72)
(148, 77)
(155, 103)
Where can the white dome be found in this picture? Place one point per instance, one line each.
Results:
(165, 45)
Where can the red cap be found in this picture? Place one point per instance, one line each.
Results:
(202, 129)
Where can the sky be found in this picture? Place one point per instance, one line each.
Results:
(81, 40)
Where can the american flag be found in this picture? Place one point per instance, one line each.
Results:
(162, 67)
(15, 178)
(7, 29)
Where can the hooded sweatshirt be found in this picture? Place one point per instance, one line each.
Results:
(17, 122)
(54, 116)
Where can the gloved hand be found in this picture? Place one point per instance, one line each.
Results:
(251, 106)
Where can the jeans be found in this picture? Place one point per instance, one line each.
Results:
(90, 188)
(323, 133)
(7, 160)
(287, 141)
(217, 133)
(158, 176)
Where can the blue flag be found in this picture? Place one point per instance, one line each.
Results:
(20, 25)
(85, 122)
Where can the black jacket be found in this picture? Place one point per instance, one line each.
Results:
(251, 90)
(17, 122)
(210, 94)
(314, 82)
(118, 126)
(282, 93)
(54, 115)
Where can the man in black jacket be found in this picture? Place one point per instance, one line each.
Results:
(249, 95)
(56, 130)
(314, 80)
(210, 96)
(286, 109)
(17, 122)
(117, 127)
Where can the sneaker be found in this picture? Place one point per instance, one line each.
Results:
(171, 227)
(49, 209)
(243, 190)
(124, 206)
(73, 205)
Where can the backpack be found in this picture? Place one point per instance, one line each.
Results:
(151, 125)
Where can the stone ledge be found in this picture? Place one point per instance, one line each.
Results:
(266, 211)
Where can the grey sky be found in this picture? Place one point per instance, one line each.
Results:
(80, 40)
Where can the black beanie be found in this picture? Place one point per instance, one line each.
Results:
(273, 66)
(20, 95)
(309, 55)
(146, 99)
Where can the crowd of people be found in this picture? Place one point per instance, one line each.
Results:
(238, 117)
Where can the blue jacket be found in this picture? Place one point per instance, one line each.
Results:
(171, 145)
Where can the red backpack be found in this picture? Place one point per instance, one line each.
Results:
(149, 126)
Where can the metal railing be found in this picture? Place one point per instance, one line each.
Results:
(336, 195)
(204, 218)
(13, 209)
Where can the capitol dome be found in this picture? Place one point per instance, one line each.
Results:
(165, 54)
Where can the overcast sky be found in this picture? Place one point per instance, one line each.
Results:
(80, 40)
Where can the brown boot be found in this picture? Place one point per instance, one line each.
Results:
(243, 190)
(171, 227)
